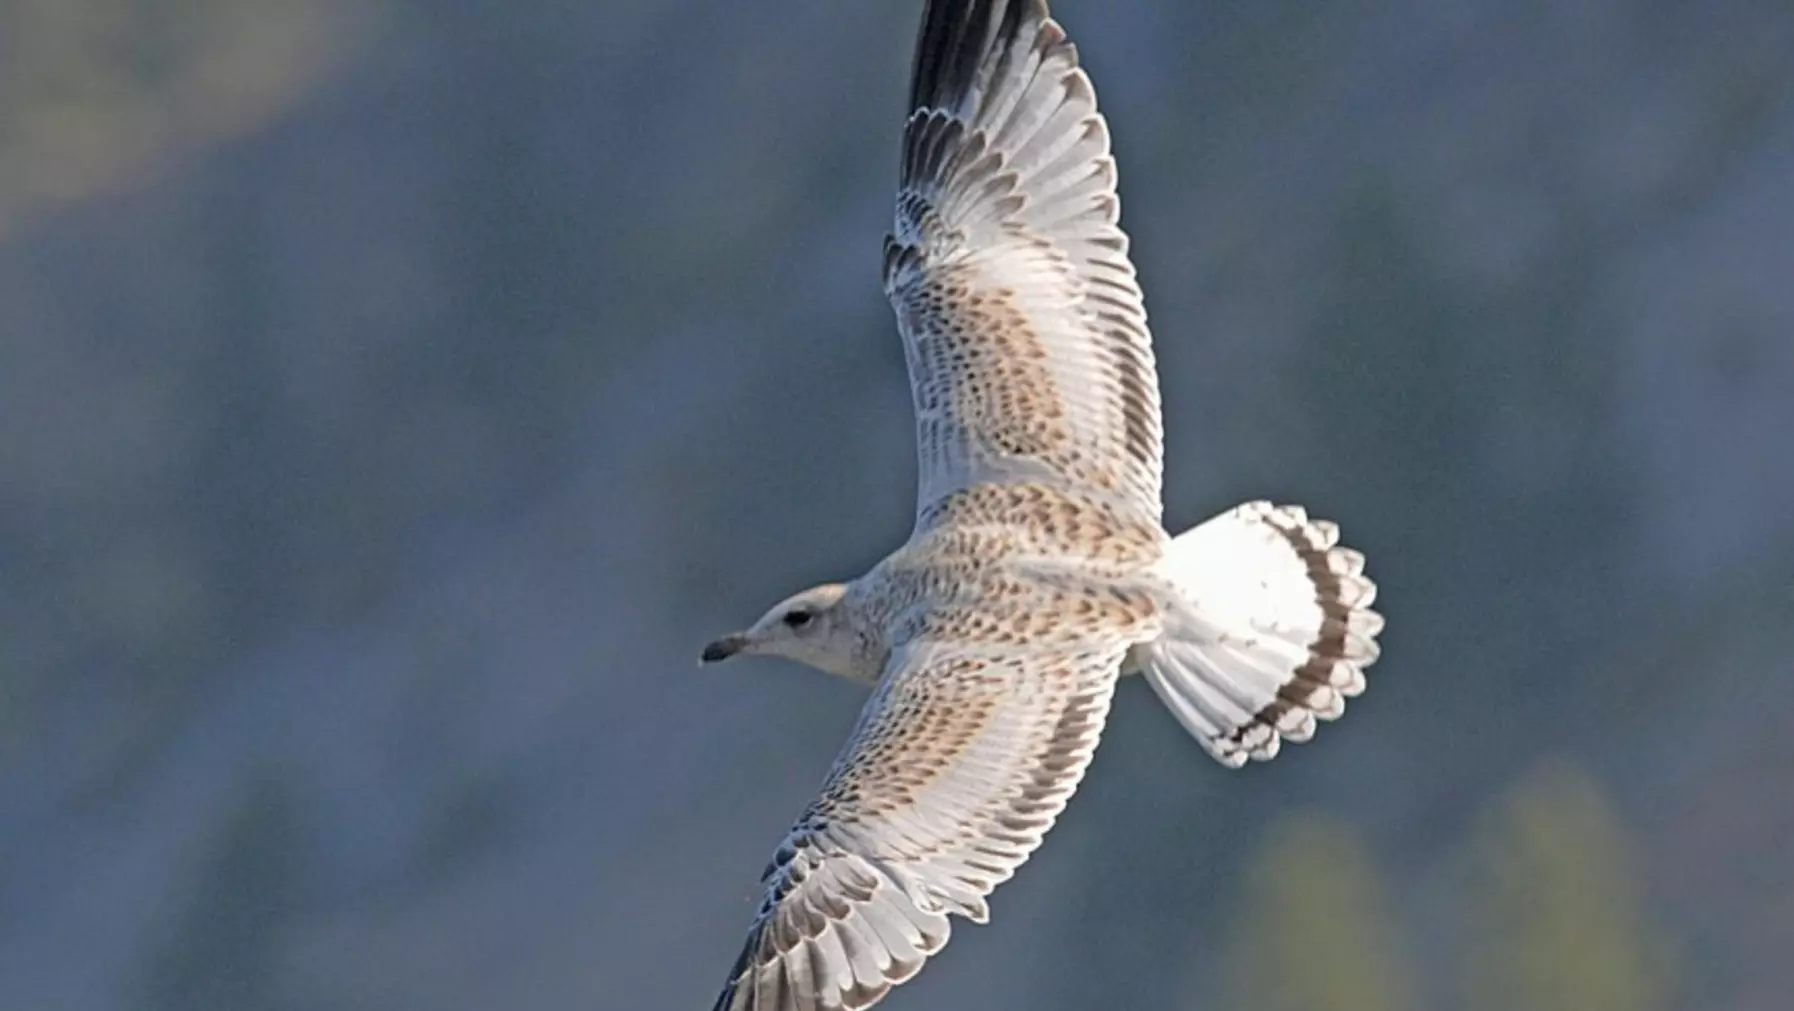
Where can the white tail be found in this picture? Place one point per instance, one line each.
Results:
(1271, 630)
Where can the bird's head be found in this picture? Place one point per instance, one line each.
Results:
(812, 627)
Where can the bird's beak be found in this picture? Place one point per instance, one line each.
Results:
(724, 648)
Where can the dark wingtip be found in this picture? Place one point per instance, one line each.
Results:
(955, 41)
(739, 972)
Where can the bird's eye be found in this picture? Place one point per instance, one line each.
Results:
(797, 618)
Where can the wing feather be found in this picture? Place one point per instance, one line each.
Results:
(960, 762)
(1022, 320)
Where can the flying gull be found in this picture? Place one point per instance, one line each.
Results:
(1039, 570)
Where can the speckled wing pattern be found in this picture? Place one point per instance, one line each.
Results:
(961, 761)
(1022, 321)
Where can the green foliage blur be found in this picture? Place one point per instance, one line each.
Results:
(1560, 916)
(1315, 931)
(1554, 913)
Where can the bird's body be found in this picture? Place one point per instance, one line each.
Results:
(1039, 571)
(1008, 565)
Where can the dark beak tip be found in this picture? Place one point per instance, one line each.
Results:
(720, 650)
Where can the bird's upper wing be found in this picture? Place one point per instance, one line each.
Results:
(960, 762)
(1028, 351)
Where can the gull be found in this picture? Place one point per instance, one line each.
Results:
(1039, 571)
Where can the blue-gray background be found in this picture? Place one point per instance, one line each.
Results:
(395, 395)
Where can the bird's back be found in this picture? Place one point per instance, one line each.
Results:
(1010, 564)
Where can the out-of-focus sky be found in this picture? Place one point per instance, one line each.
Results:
(395, 395)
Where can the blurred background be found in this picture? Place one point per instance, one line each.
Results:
(394, 396)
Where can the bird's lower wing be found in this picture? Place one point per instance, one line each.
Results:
(959, 764)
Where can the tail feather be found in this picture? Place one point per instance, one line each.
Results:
(1271, 632)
